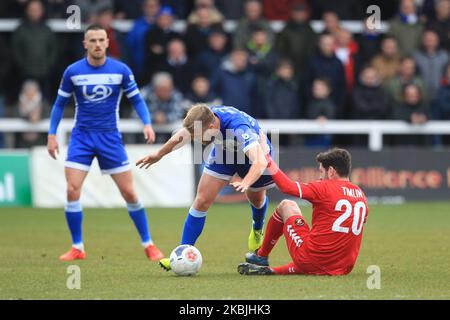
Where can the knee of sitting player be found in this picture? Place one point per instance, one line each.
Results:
(288, 208)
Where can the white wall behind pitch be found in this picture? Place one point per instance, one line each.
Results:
(168, 183)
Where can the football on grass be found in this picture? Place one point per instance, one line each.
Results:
(185, 260)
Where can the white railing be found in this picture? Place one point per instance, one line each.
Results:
(374, 129)
(60, 25)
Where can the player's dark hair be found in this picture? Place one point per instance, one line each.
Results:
(94, 27)
(339, 159)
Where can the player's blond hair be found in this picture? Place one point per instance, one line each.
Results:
(199, 113)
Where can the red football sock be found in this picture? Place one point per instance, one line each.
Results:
(289, 268)
(274, 231)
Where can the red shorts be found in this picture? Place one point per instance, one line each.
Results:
(296, 231)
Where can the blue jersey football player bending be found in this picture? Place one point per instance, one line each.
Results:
(97, 83)
(236, 150)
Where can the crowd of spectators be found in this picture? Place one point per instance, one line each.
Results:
(294, 73)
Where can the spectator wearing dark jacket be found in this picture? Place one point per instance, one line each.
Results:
(441, 24)
(321, 108)
(326, 64)
(414, 110)
(179, 65)
(235, 83)
(208, 62)
(253, 19)
(297, 40)
(33, 47)
(441, 104)
(262, 59)
(201, 92)
(197, 33)
(369, 100)
(369, 42)
(156, 41)
(281, 94)
(431, 62)
(231, 9)
(136, 36)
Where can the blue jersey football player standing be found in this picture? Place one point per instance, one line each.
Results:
(97, 84)
(237, 150)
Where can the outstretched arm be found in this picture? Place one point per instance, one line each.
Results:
(283, 182)
(259, 164)
(178, 140)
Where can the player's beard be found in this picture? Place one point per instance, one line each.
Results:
(98, 55)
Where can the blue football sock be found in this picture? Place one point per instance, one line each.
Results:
(139, 217)
(259, 214)
(74, 218)
(193, 226)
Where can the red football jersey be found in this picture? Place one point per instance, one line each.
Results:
(339, 212)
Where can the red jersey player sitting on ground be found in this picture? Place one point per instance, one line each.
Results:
(340, 210)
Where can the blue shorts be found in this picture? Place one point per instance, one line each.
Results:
(106, 146)
(218, 167)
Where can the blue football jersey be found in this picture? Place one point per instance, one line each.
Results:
(239, 131)
(97, 92)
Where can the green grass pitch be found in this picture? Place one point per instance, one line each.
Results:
(410, 243)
